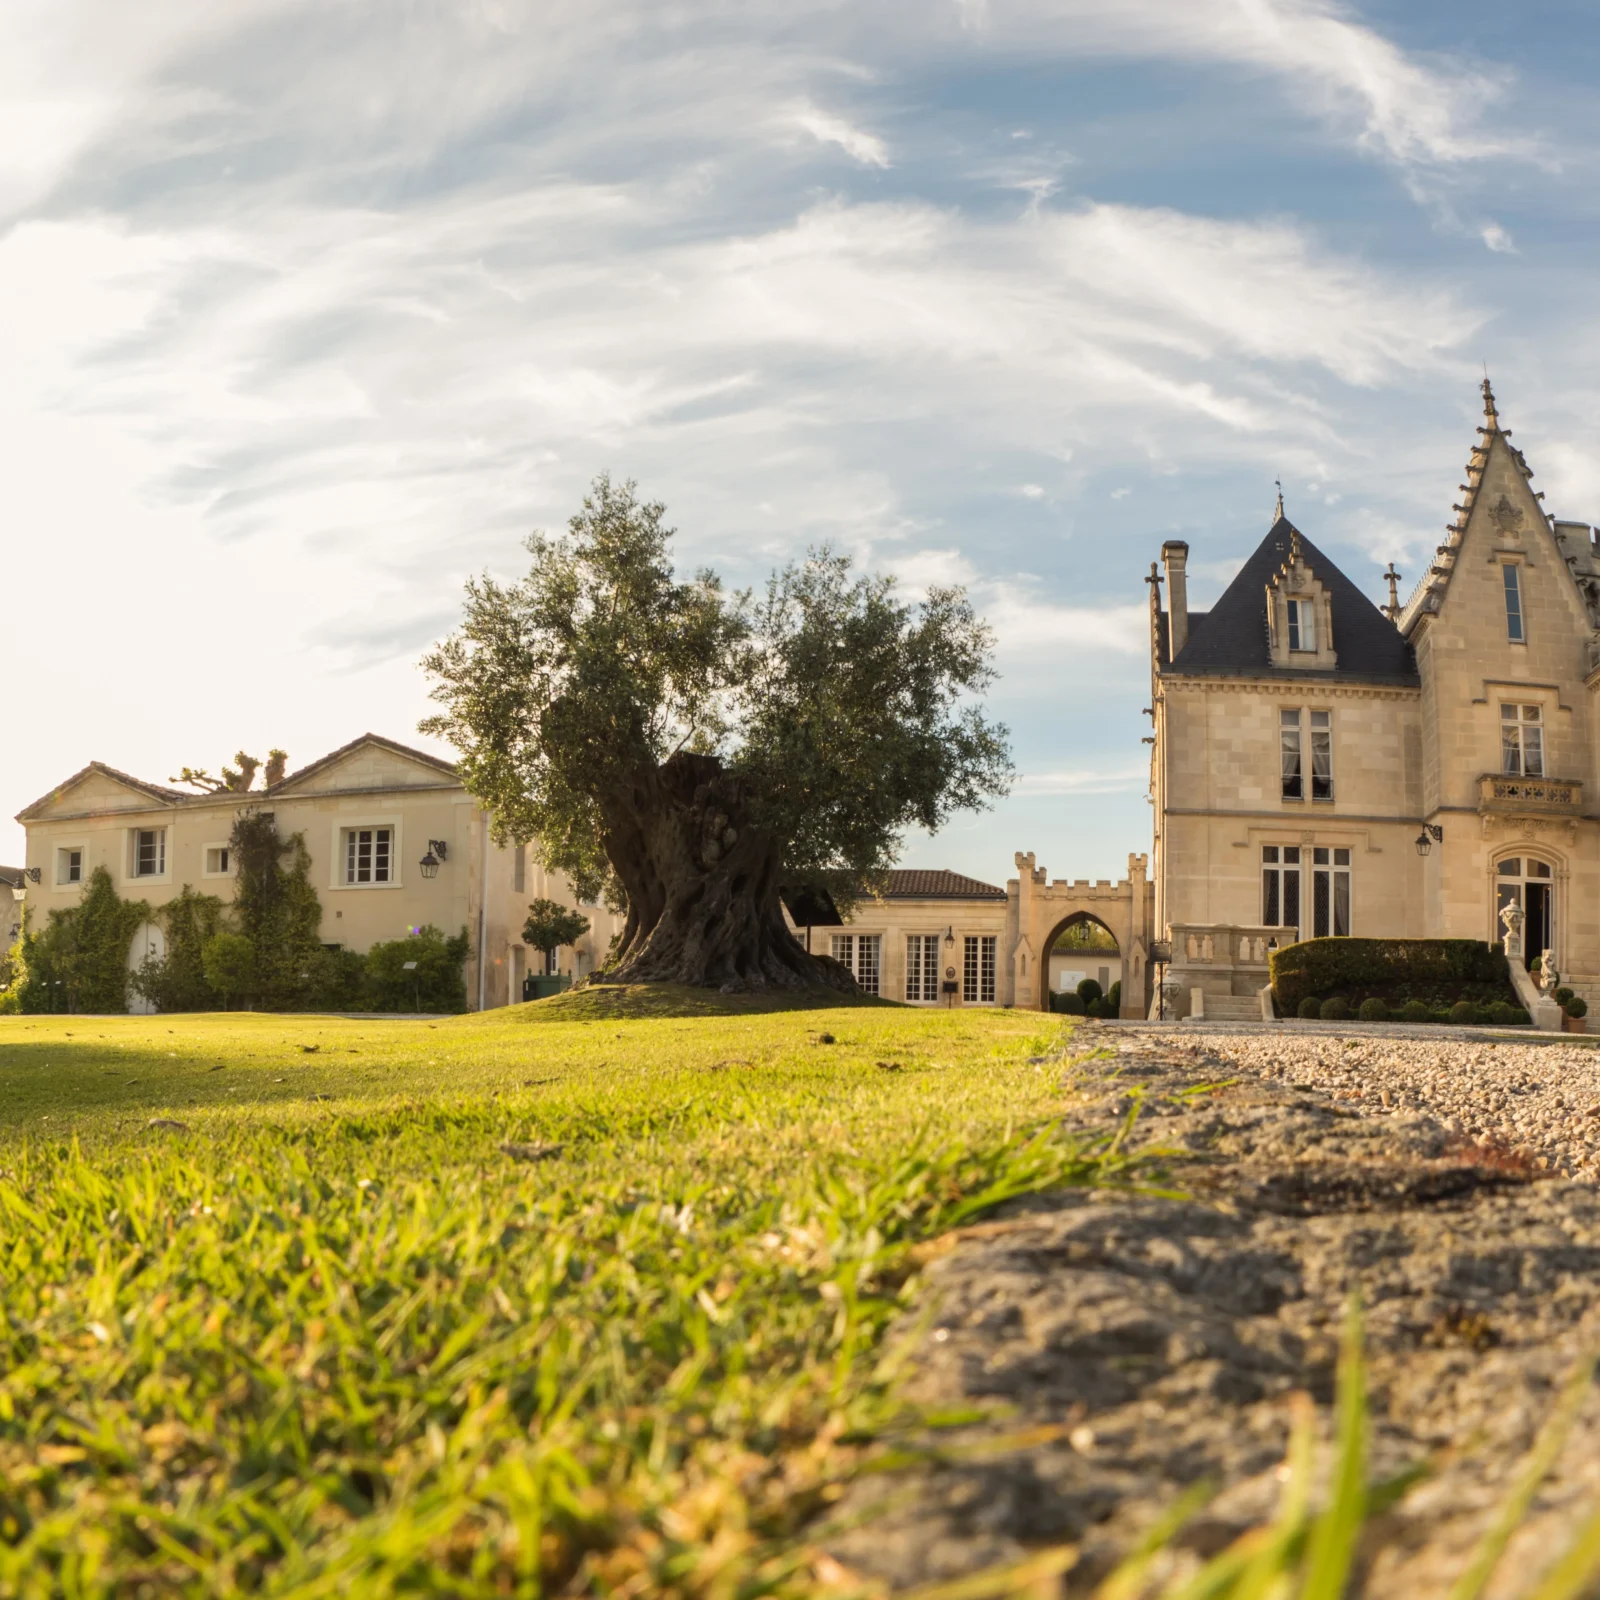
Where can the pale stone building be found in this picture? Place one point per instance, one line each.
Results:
(395, 842)
(1324, 767)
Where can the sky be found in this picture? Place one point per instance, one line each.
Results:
(309, 311)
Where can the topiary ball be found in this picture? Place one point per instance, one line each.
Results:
(1415, 1011)
(1463, 1011)
(1089, 991)
(1070, 1005)
(1373, 1010)
(1500, 1013)
(1310, 1008)
(1562, 995)
(1335, 1009)
(1577, 1007)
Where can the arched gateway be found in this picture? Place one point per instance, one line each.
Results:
(1037, 912)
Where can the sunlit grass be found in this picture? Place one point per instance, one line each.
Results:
(334, 1335)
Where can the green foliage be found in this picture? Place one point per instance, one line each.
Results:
(845, 712)
(1373, 1010)
(230, 965)
(1562, 995)
(336, 981)
(177, 981)
(1066, 1005)
(434, 984)
(551, 925)
(1309, 1009)
(1437, 971)
(1416, 1011)
(1576, 1007)
(1114, 998)
(277, 910)
(1465, 1012)
(78, 962)
(1089, 991)
(1083, 937)
(235, 780)
(362, 1348)
(1334, 1009)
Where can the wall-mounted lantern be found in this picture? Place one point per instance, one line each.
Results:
(438, 851)
(1431, 834)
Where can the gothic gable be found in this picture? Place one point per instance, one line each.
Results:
(1299, 616)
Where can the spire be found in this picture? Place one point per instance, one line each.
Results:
(1277, 515)
(1490, 416)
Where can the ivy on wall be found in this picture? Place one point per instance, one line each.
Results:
(79, 960)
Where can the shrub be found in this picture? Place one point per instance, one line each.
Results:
(1519, 1017)
(1114, 998)
(1577, 1007)
(229, 960)
(1334, 1009)
(1500, 1013)
(336, 980)
(1318, 966)
(1373, 1010)
(435, 983)
(276, 909)
(1463, 1011)
(1098, 1008)
(1089, 991)
(1562, 995)
(1310, 1008)
(1415, 1011)
(1066, 1005)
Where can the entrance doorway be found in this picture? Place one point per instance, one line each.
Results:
(1523, 881)
(1082, 948)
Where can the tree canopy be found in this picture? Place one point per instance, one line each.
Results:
(688, 751)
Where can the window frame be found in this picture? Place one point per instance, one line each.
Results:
(922, 969)
(1282, 881)
(1516, 609)
(69, 848)
(1291, 786)
(1515, 719)
(851, 957)
(343, 827)
(979, 959)
(206, 869)
(161, 874)
(1332, 891)
(1301, 620)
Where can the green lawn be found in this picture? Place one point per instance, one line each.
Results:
(566, 1296)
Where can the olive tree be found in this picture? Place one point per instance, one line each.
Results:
(689, 752)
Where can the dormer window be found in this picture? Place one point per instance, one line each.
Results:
(1302, 625)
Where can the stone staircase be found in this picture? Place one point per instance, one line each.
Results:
(1232, 1008)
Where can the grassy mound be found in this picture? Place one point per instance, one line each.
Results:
(599, 1002)
(327, 1307)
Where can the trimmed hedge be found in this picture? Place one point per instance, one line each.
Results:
(1066, 1005)
(1316, 967)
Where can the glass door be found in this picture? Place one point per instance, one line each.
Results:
(1522, 881)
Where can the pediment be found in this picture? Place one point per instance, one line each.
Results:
(95, 791)
(369, 763)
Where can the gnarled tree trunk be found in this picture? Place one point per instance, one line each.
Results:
(702, 886)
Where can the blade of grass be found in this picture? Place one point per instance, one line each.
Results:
(1030, 1576)
(1127, 1582)
(1535, 1469)
(1574, 1576)
(1337, 1530)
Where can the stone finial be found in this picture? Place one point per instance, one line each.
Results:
(1490, 415)
(1277, 515)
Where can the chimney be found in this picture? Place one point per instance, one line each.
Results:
(1175, 555)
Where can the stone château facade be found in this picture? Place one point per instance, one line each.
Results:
(1324, 766)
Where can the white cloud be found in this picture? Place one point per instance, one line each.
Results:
(1129, 779)
(826, 128)
(1498, 239)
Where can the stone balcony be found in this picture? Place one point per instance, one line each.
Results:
(1505, 792)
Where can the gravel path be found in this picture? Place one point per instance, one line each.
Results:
(1541, 1099)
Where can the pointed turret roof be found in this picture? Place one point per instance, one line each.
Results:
(1430, 588)
(1231, 640)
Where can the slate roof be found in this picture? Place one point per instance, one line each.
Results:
(924, 885)
(1230, 640)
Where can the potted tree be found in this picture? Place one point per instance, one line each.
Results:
(549, 926)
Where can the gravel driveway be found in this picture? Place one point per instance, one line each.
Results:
(1543, 1098)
